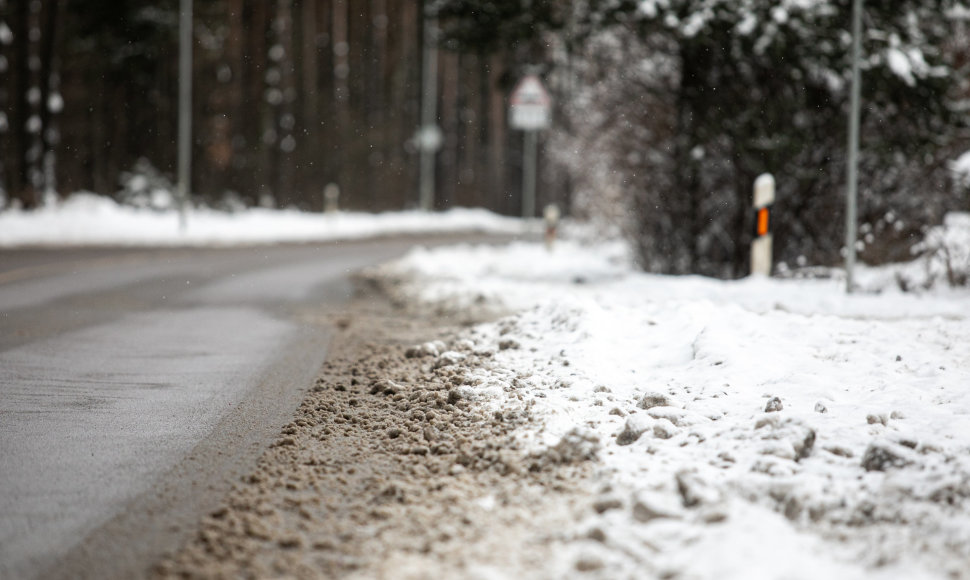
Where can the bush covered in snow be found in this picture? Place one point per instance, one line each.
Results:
(945, 253)
(146, 187)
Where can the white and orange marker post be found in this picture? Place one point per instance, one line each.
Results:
(764, 196)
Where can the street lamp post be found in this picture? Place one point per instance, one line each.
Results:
(429, 135)
(852, 177)
(185, 109)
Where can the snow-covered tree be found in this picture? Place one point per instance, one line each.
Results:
(755, 86)
(674, 107)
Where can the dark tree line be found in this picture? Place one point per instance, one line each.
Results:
(289, 95)
(29, 98)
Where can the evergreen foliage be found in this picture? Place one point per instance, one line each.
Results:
(678, 105)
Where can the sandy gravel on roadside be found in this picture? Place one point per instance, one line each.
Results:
(387, 471)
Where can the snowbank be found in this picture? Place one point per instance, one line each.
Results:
(88, 219)
(752, 429)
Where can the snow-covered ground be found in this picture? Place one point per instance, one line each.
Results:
(760, 428)
(88, 219)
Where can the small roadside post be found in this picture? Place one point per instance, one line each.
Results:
(529, 111)
(764, 196)
(331, 198)
(551, 216)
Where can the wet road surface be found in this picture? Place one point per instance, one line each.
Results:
(136, 385)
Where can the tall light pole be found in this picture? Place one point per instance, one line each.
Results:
(185, 109)
(429, 135)
(852, 171)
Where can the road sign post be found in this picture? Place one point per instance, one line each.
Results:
(529, 155)
(764, 196)
(529, 108)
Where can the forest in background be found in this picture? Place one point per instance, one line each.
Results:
(289, 95)
(666, 111)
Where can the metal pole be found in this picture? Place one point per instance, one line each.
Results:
(429, 105)
(185, 109)
(853, 166)
(529, 174)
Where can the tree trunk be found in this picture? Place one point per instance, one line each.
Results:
(240, 175)
(20, 189)
(404, 94)
(309, 123)
(469, 122)
(261, 114)
(375, 99)
(286, 120)
(341, 70)
(5, 153)
(448, 170)
(49, 99)
(497, 139)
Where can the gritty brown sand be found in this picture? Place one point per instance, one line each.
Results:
(386, 471)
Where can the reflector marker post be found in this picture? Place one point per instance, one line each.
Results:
(762, 228)
(764, 196)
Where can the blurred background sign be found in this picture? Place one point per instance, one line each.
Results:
(530, 105)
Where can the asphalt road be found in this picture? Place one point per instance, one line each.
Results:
(136, 385)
